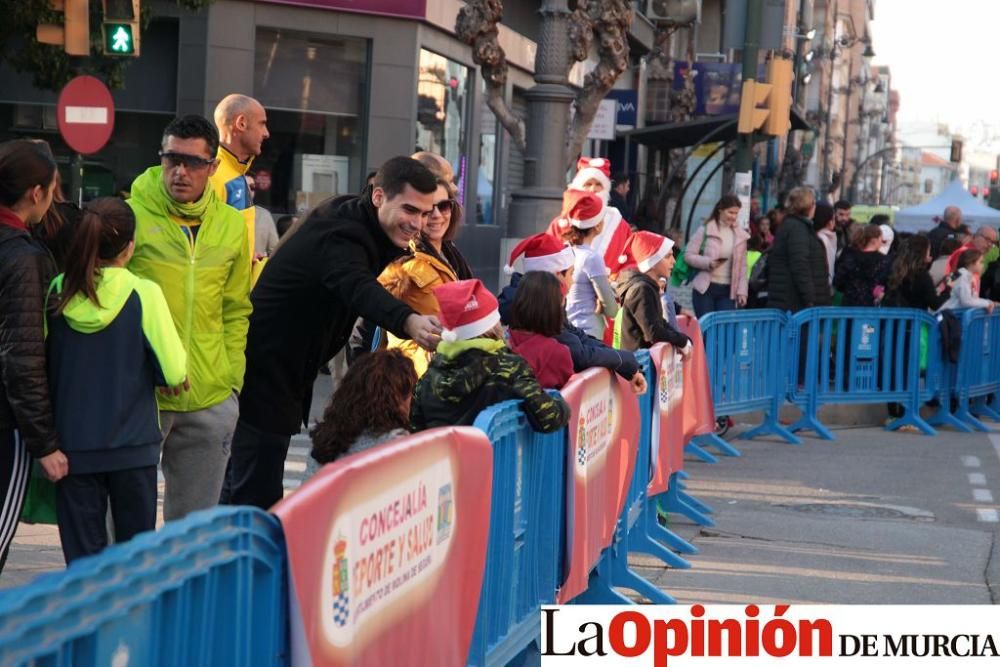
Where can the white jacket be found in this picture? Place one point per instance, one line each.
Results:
(962, 294)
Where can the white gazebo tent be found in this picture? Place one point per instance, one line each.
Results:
(920, 218)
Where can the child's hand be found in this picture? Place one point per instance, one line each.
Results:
(686, 351)
(638, 383)
(178, 390)
(878, 292)
(989, 308)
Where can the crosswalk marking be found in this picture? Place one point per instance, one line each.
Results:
(987, 515)
(982, 495)
(977, 479)
(971, 461)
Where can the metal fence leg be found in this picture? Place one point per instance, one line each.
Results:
(693, 449)
(676, 504)
(713, 440)
(771, 426)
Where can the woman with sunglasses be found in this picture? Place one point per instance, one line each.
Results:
(432, 261)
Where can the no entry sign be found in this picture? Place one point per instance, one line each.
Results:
(86, 114)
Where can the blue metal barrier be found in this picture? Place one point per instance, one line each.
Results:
(211, 589)
(637, 527)
(524, 564)
(862, 355)
(976, 377)
(746, 352)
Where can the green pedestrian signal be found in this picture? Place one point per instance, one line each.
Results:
(119, 39)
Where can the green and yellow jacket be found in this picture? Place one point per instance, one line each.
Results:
(464, 377)
(202, 264)
(104, 364)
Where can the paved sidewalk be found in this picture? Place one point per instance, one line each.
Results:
(873, 517)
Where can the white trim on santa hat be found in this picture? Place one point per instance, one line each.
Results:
(648, 263)
(472, 329)
(590, 223)
(560, 261)
(588, 173)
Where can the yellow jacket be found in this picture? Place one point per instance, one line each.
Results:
(231, 187)
(411, 281)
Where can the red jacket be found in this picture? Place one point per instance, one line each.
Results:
(548, 357)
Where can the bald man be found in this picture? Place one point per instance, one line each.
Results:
(950, 221)
(242, 124)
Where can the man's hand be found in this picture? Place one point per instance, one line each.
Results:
(55, 466)
(424, 330)
(686, 351)
(638, 383)
(741, 301)
(178, 390)
(989, 308)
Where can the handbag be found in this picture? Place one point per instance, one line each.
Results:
(40, 500)
(683, 273)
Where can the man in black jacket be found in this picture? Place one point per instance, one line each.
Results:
(950, 222)
(308, 297)
(798, 275)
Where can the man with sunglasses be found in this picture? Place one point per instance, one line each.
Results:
(308, 297)
(242, 125)
(195, 247)
(985, 241)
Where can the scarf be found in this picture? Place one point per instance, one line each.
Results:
(192, 211)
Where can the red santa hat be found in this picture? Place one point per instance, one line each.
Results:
(542, 252)
(468, 310)
(646, 249)
(592, 167)
(582, 209)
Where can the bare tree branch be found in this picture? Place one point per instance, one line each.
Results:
(477, 26)
(609, 21)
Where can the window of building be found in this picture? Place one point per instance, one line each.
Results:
(315, 91)
(443, 111)
(486, 177)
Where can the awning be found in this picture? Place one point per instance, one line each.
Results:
(710, 128)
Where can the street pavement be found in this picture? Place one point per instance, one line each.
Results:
(873, 517)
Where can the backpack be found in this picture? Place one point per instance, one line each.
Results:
(683, 273)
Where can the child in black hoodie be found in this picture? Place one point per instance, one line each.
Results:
(641, 321)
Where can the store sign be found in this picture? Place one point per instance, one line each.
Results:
(603, 126)
(412, 9)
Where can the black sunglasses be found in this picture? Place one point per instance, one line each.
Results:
(175, 160)
(445, 206)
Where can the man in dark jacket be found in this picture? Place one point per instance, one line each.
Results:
(843, 223)
(798, 275)
(309, 295)
(950, 222)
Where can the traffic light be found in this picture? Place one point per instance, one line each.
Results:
(974, 191)
(121, 27)
(751, 117)
(74, 33)
(779, 75)
(994, 177)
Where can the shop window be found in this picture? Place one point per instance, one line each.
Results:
(315, 91)
(443, 111)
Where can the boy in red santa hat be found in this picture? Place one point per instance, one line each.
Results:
(593, 174)
(474, 369)
(642, 322)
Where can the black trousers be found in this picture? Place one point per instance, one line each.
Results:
(256, 467)
(82, 507)
(15, 470)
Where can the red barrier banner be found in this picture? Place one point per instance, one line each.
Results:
(666, 452)
(699, 408)
(603, 434)
(386, 551)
